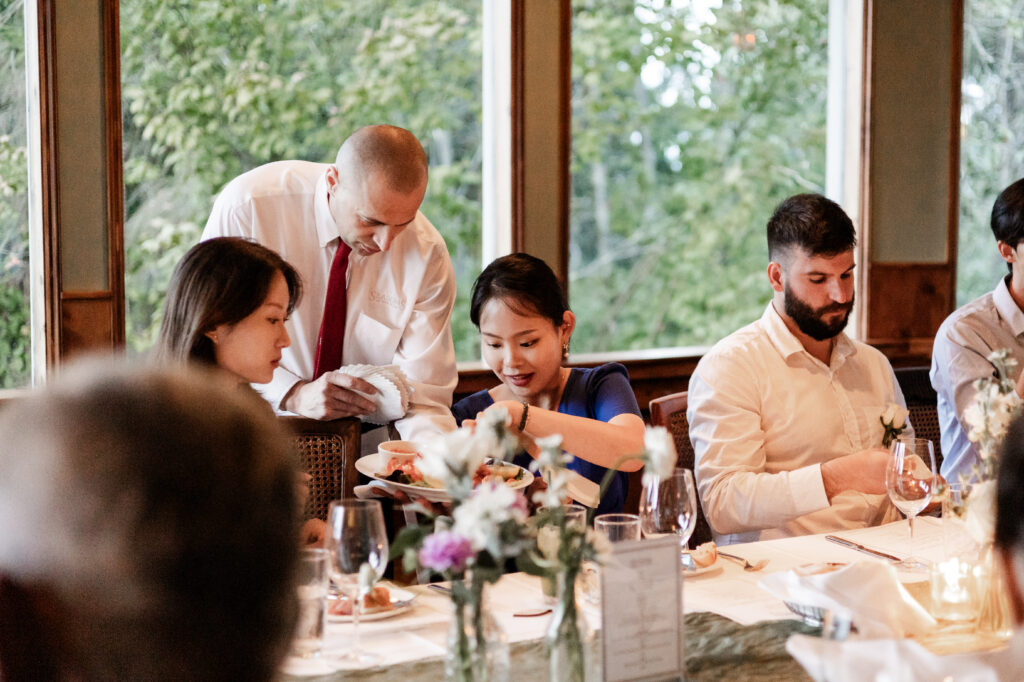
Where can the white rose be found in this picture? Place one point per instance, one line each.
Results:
(659, 454)
(981, 512)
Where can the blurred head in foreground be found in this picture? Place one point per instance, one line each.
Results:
(1010, 514)
(147, 530)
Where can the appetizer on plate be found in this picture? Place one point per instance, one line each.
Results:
(378, 599)
(705, 555)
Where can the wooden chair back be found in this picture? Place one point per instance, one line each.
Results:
(922, 402)
(670, 412)
(328, 452)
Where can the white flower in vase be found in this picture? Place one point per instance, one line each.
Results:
(482, 515)
(659, 455)
(452, 459)
(551, 463)
(980, 518)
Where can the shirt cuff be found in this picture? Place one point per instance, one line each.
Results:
(807, 490)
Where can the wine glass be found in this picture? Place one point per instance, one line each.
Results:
(356, 541)
(670, 506)
(910, 481)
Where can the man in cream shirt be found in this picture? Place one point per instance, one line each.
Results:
(784, 413)
(400, 282)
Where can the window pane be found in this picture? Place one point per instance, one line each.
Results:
(991, 135)
(691, 121)
(15, 331)
(212, 89)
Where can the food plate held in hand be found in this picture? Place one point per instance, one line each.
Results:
(402, 474)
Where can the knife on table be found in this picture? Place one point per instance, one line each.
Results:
(861, 548)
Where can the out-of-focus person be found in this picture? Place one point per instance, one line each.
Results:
(147, 529)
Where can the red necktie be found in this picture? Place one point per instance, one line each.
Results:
(331, 339)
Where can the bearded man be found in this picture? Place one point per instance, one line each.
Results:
(784, 413)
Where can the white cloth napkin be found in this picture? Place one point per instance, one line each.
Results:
(394, 391)
(869, 590)
(903, 660)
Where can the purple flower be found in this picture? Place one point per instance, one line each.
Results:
(445, 551)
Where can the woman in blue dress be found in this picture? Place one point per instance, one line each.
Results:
(525, 325)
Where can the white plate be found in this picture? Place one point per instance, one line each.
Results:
(401, 600)
(369, 464)
(702, 570)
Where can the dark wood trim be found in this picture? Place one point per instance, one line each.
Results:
(114, 165)
(49, 181)
(565, 136)
(864, 182)
(955, 86)
(86, 295)
(518, 125)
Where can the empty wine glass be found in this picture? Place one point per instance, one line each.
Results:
(670, 506)
(910, 481)
(356, 541)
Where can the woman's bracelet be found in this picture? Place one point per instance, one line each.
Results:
(526, 415)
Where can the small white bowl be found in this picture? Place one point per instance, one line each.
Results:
(402, 449)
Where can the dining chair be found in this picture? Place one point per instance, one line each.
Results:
(922, 402)
(670, 411)
(328, 451)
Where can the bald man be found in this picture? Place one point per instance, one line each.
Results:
(400, 282)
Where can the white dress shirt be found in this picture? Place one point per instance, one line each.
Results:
(399, 301)
(959, 358)
(764, 414)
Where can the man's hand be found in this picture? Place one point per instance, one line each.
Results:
(863, 471)
(332, 396)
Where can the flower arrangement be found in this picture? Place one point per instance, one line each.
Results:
(564, 545)
(469, 548)
(894, 421)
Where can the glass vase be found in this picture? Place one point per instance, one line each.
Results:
(477, 646)
(568, 633)
(995, 615)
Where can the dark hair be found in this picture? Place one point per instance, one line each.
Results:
(812, 222)
(525, 282)
(163, 508)
(1009, 515)
(219, 281)
(1008, 216)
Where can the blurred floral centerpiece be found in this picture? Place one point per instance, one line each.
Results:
(486, 527)
(564, 543)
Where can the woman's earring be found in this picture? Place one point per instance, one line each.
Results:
(565, 351)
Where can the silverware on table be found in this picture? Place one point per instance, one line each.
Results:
(860, 548)
(747, 566)
(439, 588)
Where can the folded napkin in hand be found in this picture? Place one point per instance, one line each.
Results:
(868, 590)
(393, 391)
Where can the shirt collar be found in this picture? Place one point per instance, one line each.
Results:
(788, 344)
(326, 228)
(1008, 308)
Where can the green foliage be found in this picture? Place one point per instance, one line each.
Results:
(213, 89)
(991, 135)
(688, 128)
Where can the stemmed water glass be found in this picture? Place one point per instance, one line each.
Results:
(910, 481)
(670, 506)
(356, 541)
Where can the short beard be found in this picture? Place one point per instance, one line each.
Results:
(809, 320)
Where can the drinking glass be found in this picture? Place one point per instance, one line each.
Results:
(618, 527)
(312, 589)
(670, 506)
(910, 481)
(356, 541)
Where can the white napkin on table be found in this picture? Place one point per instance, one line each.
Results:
(869, 590)
(903, 660)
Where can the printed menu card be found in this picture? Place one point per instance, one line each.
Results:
(642, 611)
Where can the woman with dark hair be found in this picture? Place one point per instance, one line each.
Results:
(226, 306)
(525, 325)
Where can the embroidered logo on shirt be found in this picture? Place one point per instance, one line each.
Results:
(386, 299)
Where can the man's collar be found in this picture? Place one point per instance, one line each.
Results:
(1007, 307)
(787, 343)
(326, 228)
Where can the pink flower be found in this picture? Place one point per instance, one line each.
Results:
(445, 551)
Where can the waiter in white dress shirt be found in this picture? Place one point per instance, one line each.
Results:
(372, 265)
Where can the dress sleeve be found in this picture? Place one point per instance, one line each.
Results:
(611, 392)
(737, 493)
